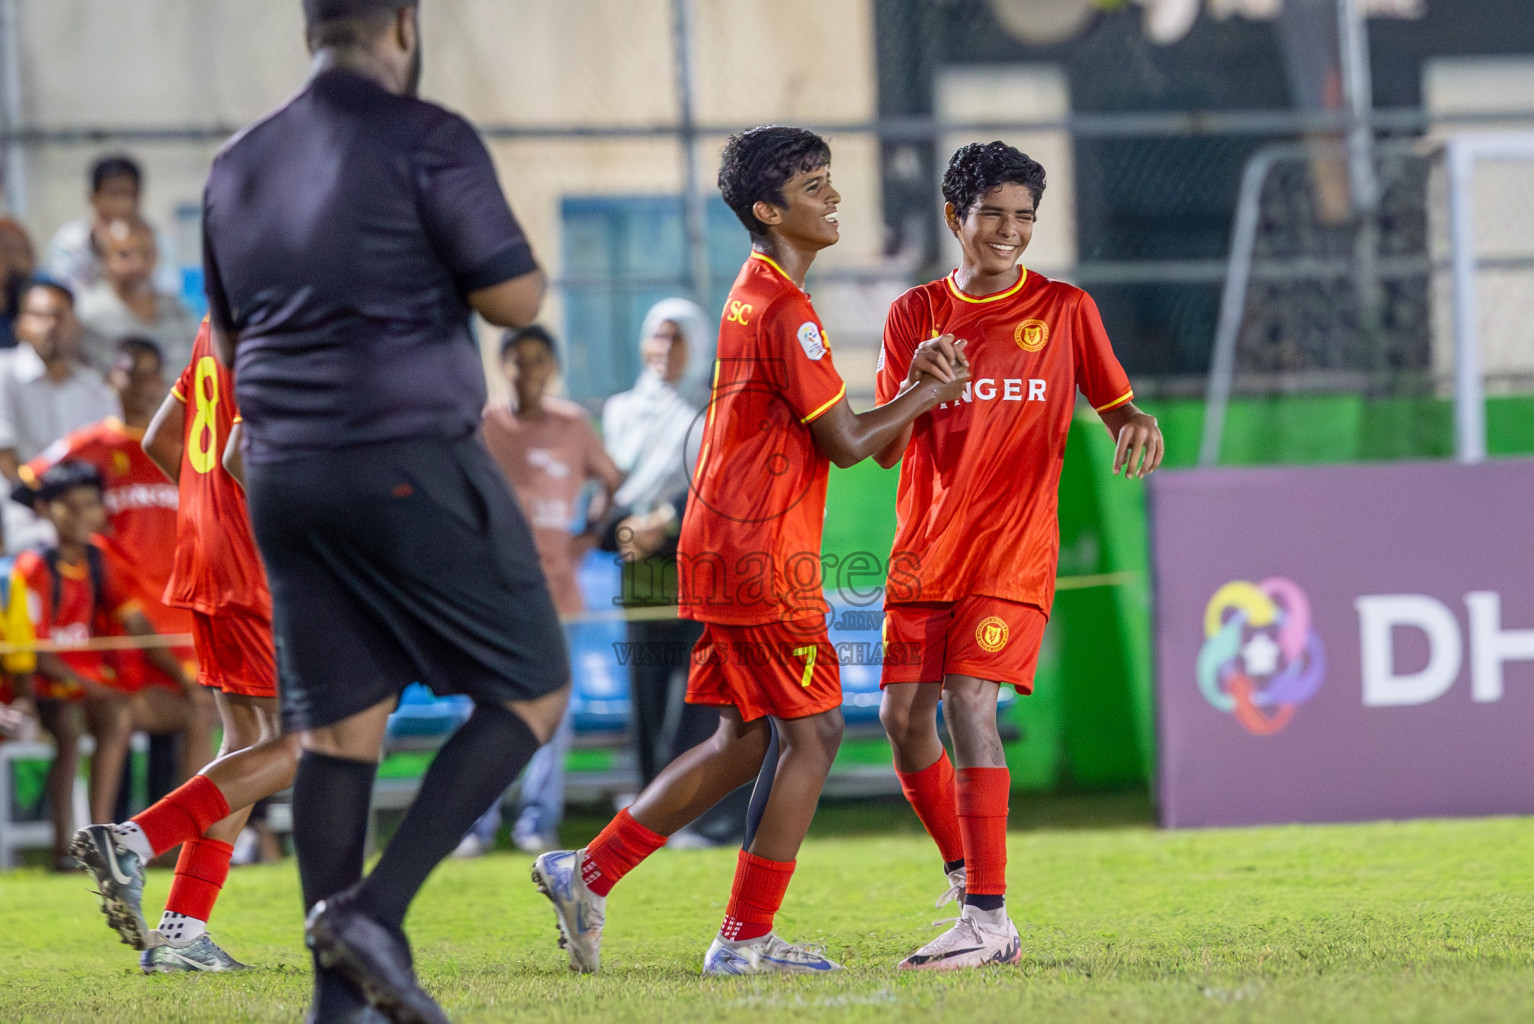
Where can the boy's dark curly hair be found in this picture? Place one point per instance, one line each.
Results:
(758, 162)
(980, 167)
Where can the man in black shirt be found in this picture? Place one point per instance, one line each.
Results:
(347, 238)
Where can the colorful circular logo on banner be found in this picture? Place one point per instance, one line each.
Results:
(1260, 659)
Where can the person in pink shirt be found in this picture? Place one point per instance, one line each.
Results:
(550, 453)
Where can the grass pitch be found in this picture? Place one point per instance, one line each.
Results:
(1420, 921)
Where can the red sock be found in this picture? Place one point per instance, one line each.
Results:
(200, 873)
(183, 814)
(616, 851)
(983, 821)
(755, 897)
(931, 795)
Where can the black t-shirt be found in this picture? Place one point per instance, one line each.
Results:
(341, 237)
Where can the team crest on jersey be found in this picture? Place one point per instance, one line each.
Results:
(810, 340)
(1031, 335)
(991, 634)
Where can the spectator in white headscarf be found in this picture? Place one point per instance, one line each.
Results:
(652, 433)
(647, 430)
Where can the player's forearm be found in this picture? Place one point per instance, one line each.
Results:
(164, 439)
(892, 453)
(234, 454)
(849, 438)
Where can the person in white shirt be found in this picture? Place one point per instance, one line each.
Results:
(45, 392)
(74, 253)
(124, 302)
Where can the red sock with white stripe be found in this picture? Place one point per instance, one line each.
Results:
(618, 849)
(201, 871)
(182, 814)
(755, 897)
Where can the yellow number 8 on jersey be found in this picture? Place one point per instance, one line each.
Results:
(204, 436)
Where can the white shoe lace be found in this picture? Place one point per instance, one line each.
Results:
(957, 879)
(780, 948)
(963, 929)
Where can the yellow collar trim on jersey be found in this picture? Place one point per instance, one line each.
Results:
(953, 286)
(757, 254)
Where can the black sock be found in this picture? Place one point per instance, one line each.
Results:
(763, 788)
(985, 901)
(331, 800)
(472, 770)
(950, 866)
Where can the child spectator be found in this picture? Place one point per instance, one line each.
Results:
(65, 595)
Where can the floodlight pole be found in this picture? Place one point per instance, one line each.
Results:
(682, 30)
(10, 109)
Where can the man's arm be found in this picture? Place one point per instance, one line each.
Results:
(165, 439)
(220, 322)
(10, 466)
(512, 303)
(938, 374)
(1139, 446)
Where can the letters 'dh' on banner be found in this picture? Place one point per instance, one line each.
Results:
(1344, 643)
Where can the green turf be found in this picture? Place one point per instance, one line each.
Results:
(1423, 921)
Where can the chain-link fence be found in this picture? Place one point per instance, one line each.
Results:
(606, 120)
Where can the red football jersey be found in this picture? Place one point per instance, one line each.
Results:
(31, 615)
(977, 511)
(140, 542)
(749, 552)
(218, 568)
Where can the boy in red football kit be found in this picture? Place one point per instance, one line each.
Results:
(66, 594)
(977, 538)
(218, 578)
(749, 565)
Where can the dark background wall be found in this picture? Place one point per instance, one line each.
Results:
(1149, 198)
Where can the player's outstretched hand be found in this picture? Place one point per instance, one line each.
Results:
(939, 358)
(1139, 445)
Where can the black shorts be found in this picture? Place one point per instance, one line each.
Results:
(400, 562)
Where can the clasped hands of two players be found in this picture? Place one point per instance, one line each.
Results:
(941, 361)
(1138, 447)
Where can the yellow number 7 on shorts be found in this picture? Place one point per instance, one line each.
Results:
(808, 654)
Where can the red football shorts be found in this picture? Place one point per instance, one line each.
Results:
(235, 654)
(786, 670)
(982, 637)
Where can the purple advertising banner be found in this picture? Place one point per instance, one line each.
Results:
(1344, 643)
